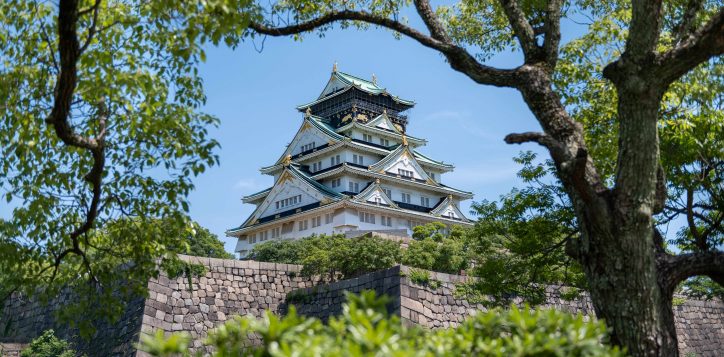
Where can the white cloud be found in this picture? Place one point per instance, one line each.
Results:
(247, 185)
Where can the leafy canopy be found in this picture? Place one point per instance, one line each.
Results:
(331, 257)
(139, 95)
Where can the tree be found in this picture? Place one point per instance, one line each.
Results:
(100, 121)
(630, 276)
(437, 250)
(48, 345)
(518, 243)
(331, 257)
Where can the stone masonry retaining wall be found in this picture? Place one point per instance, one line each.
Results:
(21, 320)
(234, 287)
(699, 324)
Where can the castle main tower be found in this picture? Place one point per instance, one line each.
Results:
(351, 166)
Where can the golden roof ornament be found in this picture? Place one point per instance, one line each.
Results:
(354, 108)
(287, 160)
(308, 113)
(374, 79)
(384, 111)
(449, 197)
(404, 139)
(334, 67)
(377, 181)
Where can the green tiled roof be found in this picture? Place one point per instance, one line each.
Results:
(324, 127)
(322, 188)
(424, 158)
(362, 84)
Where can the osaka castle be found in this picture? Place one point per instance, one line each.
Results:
(351, 166)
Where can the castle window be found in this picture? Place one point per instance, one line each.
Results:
(367, 138)
(291, 201)
(303, 225)
(386, 221)
(384, 142)
(405, 197)
(358, 159)
(328, 218)
(425, 201)
(316, 221)
(307, 147)
(336, 183)
(276, 232)
(354, 187)
(388, 192)
(366, 217)
(334, 160)
(405, 173)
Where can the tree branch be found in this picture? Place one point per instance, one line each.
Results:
(92, 28)
(335, 16)
(705, 43)
(459, 58)
(552, 32)
(522, 28)
(554, 147)
(69, 51)
(428, 17)
(674, 269)
(686, 26)
(644, 29)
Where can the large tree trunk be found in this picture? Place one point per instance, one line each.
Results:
(617, 248)
(620, 260)
(621, 273)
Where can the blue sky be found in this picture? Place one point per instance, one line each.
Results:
(255, 93)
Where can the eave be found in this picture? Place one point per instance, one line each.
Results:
(345, 167)
(416, 142)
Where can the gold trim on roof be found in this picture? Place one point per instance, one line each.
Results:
(308, 113)
(334, 67)
(287, 160)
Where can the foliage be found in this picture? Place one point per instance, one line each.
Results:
(332, 257)
(336, 257)
(691, 125)
(365, 329)
(137, 71)
(48, 345)
(422, 277)
(518, 243)
(702, 288)
(437, 248)
(447, 255)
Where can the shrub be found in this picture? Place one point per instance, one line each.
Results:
(365, 328)
(47, 345)
(332, 257)
(422, 277)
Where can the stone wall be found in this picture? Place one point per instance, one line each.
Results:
(234, 287)
(699, 324)
(326, 300)
(22, 319)
(230, 287)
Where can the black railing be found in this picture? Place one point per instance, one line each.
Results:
(412, 207)
(320, 147)
(288, 212)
